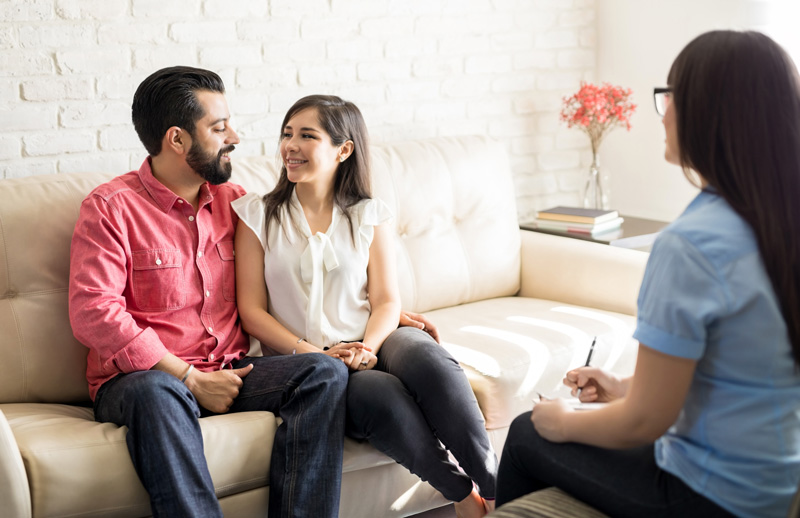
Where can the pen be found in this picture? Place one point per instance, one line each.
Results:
(591, 350)
(588, 360)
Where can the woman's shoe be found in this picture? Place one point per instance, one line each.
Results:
(471, 507)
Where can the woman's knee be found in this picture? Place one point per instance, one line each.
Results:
(375, 400)
(375, 393)
(412, 346)
(523, 436)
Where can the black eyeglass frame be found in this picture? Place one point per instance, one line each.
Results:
(660, 93)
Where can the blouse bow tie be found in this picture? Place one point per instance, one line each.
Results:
(319, 252)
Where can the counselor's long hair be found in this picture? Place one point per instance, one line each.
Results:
(737, 104)
(342, 121)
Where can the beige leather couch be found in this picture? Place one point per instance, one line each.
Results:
(515, 307)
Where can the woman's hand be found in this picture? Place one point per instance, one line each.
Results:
(362, 359)
(345, 351)
(410, 319)
(547, 418)
(593, 384)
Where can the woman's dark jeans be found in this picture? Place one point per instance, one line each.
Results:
(414, 406)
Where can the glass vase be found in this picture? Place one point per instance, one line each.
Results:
(595, 190)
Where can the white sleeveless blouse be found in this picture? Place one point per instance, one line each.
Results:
(317, 284)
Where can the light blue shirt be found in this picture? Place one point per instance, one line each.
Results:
(706, 296)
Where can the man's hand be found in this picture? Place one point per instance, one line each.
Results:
(215, 391)
(410, 319)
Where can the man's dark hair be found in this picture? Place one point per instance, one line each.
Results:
(168, 98)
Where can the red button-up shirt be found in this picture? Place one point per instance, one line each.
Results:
(150, 276)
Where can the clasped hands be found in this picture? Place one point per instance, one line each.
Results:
(216, 390)
(589, 384)
(355, 355)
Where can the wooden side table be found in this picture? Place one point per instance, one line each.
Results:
(636, 233)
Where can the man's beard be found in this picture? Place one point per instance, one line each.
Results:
(209, 166)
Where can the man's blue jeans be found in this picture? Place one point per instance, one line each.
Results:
(306, 390)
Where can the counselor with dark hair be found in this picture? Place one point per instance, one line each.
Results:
(708, 425)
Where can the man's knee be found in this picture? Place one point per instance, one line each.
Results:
(145, 394)
(331, 371)
(156, 390)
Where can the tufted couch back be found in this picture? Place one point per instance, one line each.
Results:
(457, 241)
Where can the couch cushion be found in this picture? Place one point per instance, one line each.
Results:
(513, 347)
(101, 478)
(455, 217)
(457, 235)
(42, 361)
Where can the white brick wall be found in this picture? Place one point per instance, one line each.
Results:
(417, 68)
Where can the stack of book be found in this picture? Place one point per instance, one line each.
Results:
(574, 219)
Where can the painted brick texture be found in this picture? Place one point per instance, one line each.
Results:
(416, 68)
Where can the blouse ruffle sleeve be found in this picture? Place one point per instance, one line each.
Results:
(250, 209)
(372, 212)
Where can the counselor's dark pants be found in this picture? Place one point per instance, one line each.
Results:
(166, 446)
(413, 402)
(620, 483)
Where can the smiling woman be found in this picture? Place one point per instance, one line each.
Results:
(307, 282)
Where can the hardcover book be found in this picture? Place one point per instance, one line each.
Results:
(577, 215)
(585, 228)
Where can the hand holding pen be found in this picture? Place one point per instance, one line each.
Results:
(591, 384)
(588, 361)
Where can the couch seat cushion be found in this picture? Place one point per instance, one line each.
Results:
(513, 347)
(77, 466)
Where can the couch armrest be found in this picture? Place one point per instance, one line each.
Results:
(14, 491)
(580, 272)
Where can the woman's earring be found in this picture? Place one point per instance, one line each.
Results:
(341, 159)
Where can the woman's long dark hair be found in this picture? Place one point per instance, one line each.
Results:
(737, 105)
(342, 121)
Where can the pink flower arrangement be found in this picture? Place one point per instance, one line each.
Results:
(597, 109)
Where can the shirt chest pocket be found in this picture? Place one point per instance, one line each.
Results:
(226, 256)
(158, 281)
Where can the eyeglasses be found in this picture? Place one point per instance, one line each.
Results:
(662, 96)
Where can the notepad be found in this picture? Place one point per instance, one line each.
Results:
(577, 404)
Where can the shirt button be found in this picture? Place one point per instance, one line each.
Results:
(180, 201)
(200, 253)
(158, 261)
(210, 329)
(191, 218)
(211, 357)
(208, 293)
